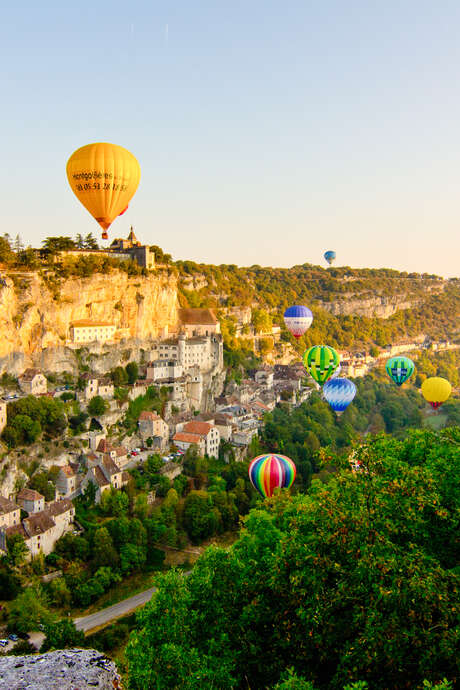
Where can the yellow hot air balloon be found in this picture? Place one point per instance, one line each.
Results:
(436, 390)
(104, 178)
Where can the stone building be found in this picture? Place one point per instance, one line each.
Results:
(33, 382)
(30, 501)
(88, 331)
(68, 481)
(135, 250)
(152, 425)
(10, 513)
(41, 530)
(206, 352)
(198, 322)
(97, 385)
(206, 436)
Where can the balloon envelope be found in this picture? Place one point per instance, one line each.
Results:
(339, 393)
(399, 369)
(104, 178)
(436, 390)
(329, 256)
(321, 361)
(267, 472)
(298, 319)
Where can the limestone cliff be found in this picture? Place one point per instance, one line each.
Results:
(35, 314)
(378, 306)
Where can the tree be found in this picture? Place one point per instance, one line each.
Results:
(29, 610)
(16, 549)
(90, 242)
(53, 245)
(40, 482)
(60, 593)
(10, 583)
(355, 582)
(197, 518)
(119, 376)
(97, 406)
(132, 372)
(62, 635)
(6, 253)
(104, 552)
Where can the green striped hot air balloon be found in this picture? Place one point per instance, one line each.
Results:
(399, 369)
(321, 361)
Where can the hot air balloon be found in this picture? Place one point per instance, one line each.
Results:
(298, 319)
(399, 369)
(104, 178)
(339, 393)
(267, 472)
(330, 256)
(321, 361)
(436, 390)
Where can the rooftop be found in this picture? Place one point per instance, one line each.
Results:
(7, 506)
(88, 322)
(29, 495)
(202, 317)
(59, 507)
(29, 374)
(187, 438)
(201, 428)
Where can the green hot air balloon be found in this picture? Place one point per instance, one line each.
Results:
(321, 361)
(399, 369)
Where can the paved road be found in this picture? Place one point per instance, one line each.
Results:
(94, 620)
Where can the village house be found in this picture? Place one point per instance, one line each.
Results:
(152, 425)
(104, 476)
(206, 352)
(208, 432)
(184, 441)
(33, 382)
(10, 513)
(97, 385)
(68, 481)
(41, 530)
(2, 415)
(30, 501)
(265, 377)
(105, 451)
(163, 369)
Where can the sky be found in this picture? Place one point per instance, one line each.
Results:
(267, 131)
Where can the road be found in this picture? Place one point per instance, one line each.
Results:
(94, 620)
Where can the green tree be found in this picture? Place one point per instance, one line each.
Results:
(132, 372)
(104, 552)
(356, 582)
(17, 550)
(29, 610)
(97, 406)
(60, 593)
(62, 635)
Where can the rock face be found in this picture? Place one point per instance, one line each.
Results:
(35, 314)
(381, 307)
(66, 669)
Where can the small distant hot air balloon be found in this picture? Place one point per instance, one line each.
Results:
(330, 256)
(339, 393)
(268, 472)
(399, 369)
(321, 361)
(104, 178)
(298, 319)
(436, 390)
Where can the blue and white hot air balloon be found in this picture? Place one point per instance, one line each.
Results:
(298, 319)
(330, 256)
(339, 393)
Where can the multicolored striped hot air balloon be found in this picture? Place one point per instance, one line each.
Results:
(268, 472)
(298, 319)
(436, 390)
(339, 393)
(321, 361)
(399, 369)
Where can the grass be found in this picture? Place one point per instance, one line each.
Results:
(436, 421)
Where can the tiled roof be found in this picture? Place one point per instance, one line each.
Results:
(120, 451)
(201, 428)
(100, 477)
(146, 415)
(203, 317)
(104, 446)
(68, 471)
(37, 523)
(29, 495)
(187, 438)
(87, 322)
(7, 506)
(16, 529)
(59, 507)
(29, 374)
(110, 466)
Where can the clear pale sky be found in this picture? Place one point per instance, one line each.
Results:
(267, 131)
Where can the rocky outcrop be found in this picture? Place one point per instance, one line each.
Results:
(380, 306)
(35, 314)
(66, 669)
